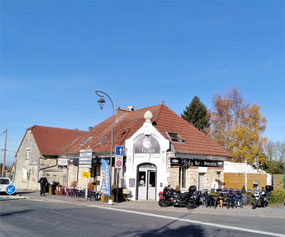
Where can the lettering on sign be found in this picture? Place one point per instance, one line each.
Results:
(195, 162)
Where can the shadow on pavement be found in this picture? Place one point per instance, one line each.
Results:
(188, 230)
(14, 213)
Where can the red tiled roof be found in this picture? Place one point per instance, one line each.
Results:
(166, 121)
(54, 141)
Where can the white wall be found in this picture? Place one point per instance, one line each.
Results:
(133, 160)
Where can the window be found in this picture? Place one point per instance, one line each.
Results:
(175, 137)
(182, 177)
(86, 140)
(102, 140)
(28, 153)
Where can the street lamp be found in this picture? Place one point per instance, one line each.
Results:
(101, 103)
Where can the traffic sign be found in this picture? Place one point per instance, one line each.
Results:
(119, 150)
(85, 174)
(118, 162)
(10, 189)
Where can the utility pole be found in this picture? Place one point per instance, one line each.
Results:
(4, 159)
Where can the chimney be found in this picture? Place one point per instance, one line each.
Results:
(90, 128)
(131, 108)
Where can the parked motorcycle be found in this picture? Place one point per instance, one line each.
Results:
(261, 197)
(171, 197)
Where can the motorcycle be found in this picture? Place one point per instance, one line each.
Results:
(171, 197)
(261, 197)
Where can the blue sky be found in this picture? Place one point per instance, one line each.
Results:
(56, 53)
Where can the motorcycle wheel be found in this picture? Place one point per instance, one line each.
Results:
(254, 204)
(190, 205)
(163, 203)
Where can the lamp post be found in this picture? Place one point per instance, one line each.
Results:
(101, 103)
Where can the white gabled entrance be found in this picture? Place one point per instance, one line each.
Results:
(146, 181)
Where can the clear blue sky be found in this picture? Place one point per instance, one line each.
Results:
(56, 53)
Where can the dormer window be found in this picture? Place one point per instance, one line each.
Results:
(175, 137)
(86, 140)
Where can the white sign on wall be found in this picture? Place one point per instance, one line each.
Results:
(62, 162)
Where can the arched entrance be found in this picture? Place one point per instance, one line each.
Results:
(146, 181)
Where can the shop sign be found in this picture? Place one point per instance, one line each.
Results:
(62, 162)
(195, 162)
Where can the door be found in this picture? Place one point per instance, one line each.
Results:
(146, 182)
(201, 181)
(142, 185)
(151, 185)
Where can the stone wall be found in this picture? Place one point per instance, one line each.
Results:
(27, 169)
(211, 174)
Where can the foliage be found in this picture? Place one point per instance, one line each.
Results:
(275, 151)
(29, 174)
(275, 154)
(91, 186)
(237, 127)
(74, 184)
(197, 115)
(274, 167)
(277, 196)
(243, 191)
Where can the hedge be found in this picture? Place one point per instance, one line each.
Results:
(277, 196)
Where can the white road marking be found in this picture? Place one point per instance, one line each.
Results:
(194, 221)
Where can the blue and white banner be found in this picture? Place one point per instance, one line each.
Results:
(106, 182)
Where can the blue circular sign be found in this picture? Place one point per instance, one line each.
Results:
(10, 189)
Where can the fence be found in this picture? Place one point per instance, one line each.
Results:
(237, 180)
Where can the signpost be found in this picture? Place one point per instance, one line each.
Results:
(86, 175)
(85, 159)
(11, 189)
(118, 164)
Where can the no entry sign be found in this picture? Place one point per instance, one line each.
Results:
(119, 162)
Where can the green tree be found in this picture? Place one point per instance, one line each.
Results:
(197, 115)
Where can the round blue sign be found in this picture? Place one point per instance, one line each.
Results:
(10, 189)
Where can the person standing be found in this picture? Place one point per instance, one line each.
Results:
(44, 183)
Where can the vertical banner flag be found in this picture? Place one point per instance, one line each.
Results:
(106, 182)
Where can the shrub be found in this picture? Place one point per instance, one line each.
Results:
(277, 196)
(243, 191)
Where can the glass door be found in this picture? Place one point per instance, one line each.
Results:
(151, 185)
(142, 185)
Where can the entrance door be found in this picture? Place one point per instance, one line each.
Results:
(201, 181)
(146, 182)
(142, 185)
(151, 185)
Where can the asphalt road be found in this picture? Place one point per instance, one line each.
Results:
(23, 217)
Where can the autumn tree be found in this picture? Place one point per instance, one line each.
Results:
(237, 126)
(197, 115)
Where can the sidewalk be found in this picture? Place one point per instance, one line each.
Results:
(277, 211)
